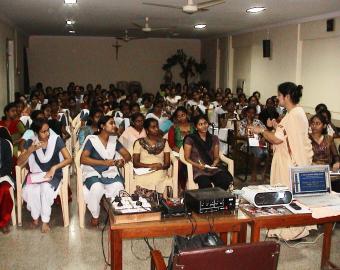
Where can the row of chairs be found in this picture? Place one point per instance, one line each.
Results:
(127, 173)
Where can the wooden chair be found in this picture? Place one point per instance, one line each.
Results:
(190, 183)
(11, 191)
(21, 173)
(261, 255)
(172, 174)
(80, 184)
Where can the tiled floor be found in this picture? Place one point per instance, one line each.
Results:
(75, 248)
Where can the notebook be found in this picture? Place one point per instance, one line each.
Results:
(311, 186)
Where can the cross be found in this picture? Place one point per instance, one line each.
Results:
(117, 46)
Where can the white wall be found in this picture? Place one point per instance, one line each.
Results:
(303, 53)
(56, 61)
(9, 31)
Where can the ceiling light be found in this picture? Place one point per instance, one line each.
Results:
(255, 9)
(70, 1)
(70, 22)
(72, 32)
(200, 26)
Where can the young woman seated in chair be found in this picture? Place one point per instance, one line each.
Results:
(201, 149)
(324, 149)
(6, 182)
(46, 155)
(152, 152)
(102, 155)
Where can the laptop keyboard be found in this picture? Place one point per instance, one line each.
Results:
(320, 201)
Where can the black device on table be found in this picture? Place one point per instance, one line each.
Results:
(170, 208)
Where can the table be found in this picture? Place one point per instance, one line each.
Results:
(273, 222)
(236, 224)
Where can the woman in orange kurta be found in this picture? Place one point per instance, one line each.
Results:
(292, 146)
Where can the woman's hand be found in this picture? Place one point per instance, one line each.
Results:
(336, 166)
(109, 162)
(256, 130)
(119, 163)
(156, 166)
(49, 175)
(35, 146)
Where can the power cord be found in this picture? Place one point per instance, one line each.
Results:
(106, 221)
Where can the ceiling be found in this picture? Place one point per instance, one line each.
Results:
(112, 17)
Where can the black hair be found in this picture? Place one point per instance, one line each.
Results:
(37, 124)
(249, 99)
(44, 107)
(320, 107)
(179, 109)
(197, 118)
(147, 122)
(8, 107)
(242, 95)
(134, 117)
(322, 120)
(250, 107)
(102, 121)
(291, 89)
(328, 113)
(134, 105)
(35, 114)
(256, 92)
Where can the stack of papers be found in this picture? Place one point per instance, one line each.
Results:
(142, 171)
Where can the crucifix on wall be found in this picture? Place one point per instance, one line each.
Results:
(117, 46)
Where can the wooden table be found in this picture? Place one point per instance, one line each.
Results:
(273, 222)
(235, 224)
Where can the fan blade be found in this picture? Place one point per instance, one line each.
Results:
(159, 29)
(211, 3)
(138, 25)
(160, 5)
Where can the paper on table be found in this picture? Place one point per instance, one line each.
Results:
(254, 141)
(142, 171)
(327, 211)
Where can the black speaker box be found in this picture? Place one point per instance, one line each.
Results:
(330, 25)
(266, 47)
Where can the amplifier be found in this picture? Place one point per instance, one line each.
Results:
(208, 200)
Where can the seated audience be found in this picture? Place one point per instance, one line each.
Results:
(6, 182)
(152, 152)
(43, 155)
(102, 155)
(331, 128)
(269, 113)
(134, 132)
(201, 149)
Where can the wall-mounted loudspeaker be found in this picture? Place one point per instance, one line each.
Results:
(266, 47)
(330, 25)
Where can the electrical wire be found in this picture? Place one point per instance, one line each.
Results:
(102, 240)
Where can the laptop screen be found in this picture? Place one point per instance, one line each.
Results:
(310, 180)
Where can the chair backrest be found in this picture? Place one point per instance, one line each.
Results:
(11, 145)
(261, 255)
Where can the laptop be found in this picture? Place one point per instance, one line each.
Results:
(311, 185)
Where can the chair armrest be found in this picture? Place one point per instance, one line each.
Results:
(20, 172)
(229, 162)
(157, 260)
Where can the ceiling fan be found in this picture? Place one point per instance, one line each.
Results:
(146, 27)
(190, 7)
(127, 38)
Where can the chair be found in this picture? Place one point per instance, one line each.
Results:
(21, 173)
(190, 183)
(172, 174)
(11, 191)
(80, 185)
(261, 255)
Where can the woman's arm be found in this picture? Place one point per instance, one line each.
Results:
(126, 156)
(187, 154)
(138, 164)
(216, 155)
(166, 164)
(67, 160)
(268, 135)
(87, 160)
(22, 159)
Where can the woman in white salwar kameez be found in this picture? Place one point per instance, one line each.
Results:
(101, 157)
(47, 155)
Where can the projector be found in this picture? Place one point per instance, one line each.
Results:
(266, 195)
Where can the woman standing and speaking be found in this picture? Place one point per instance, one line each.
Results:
(292, 146)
